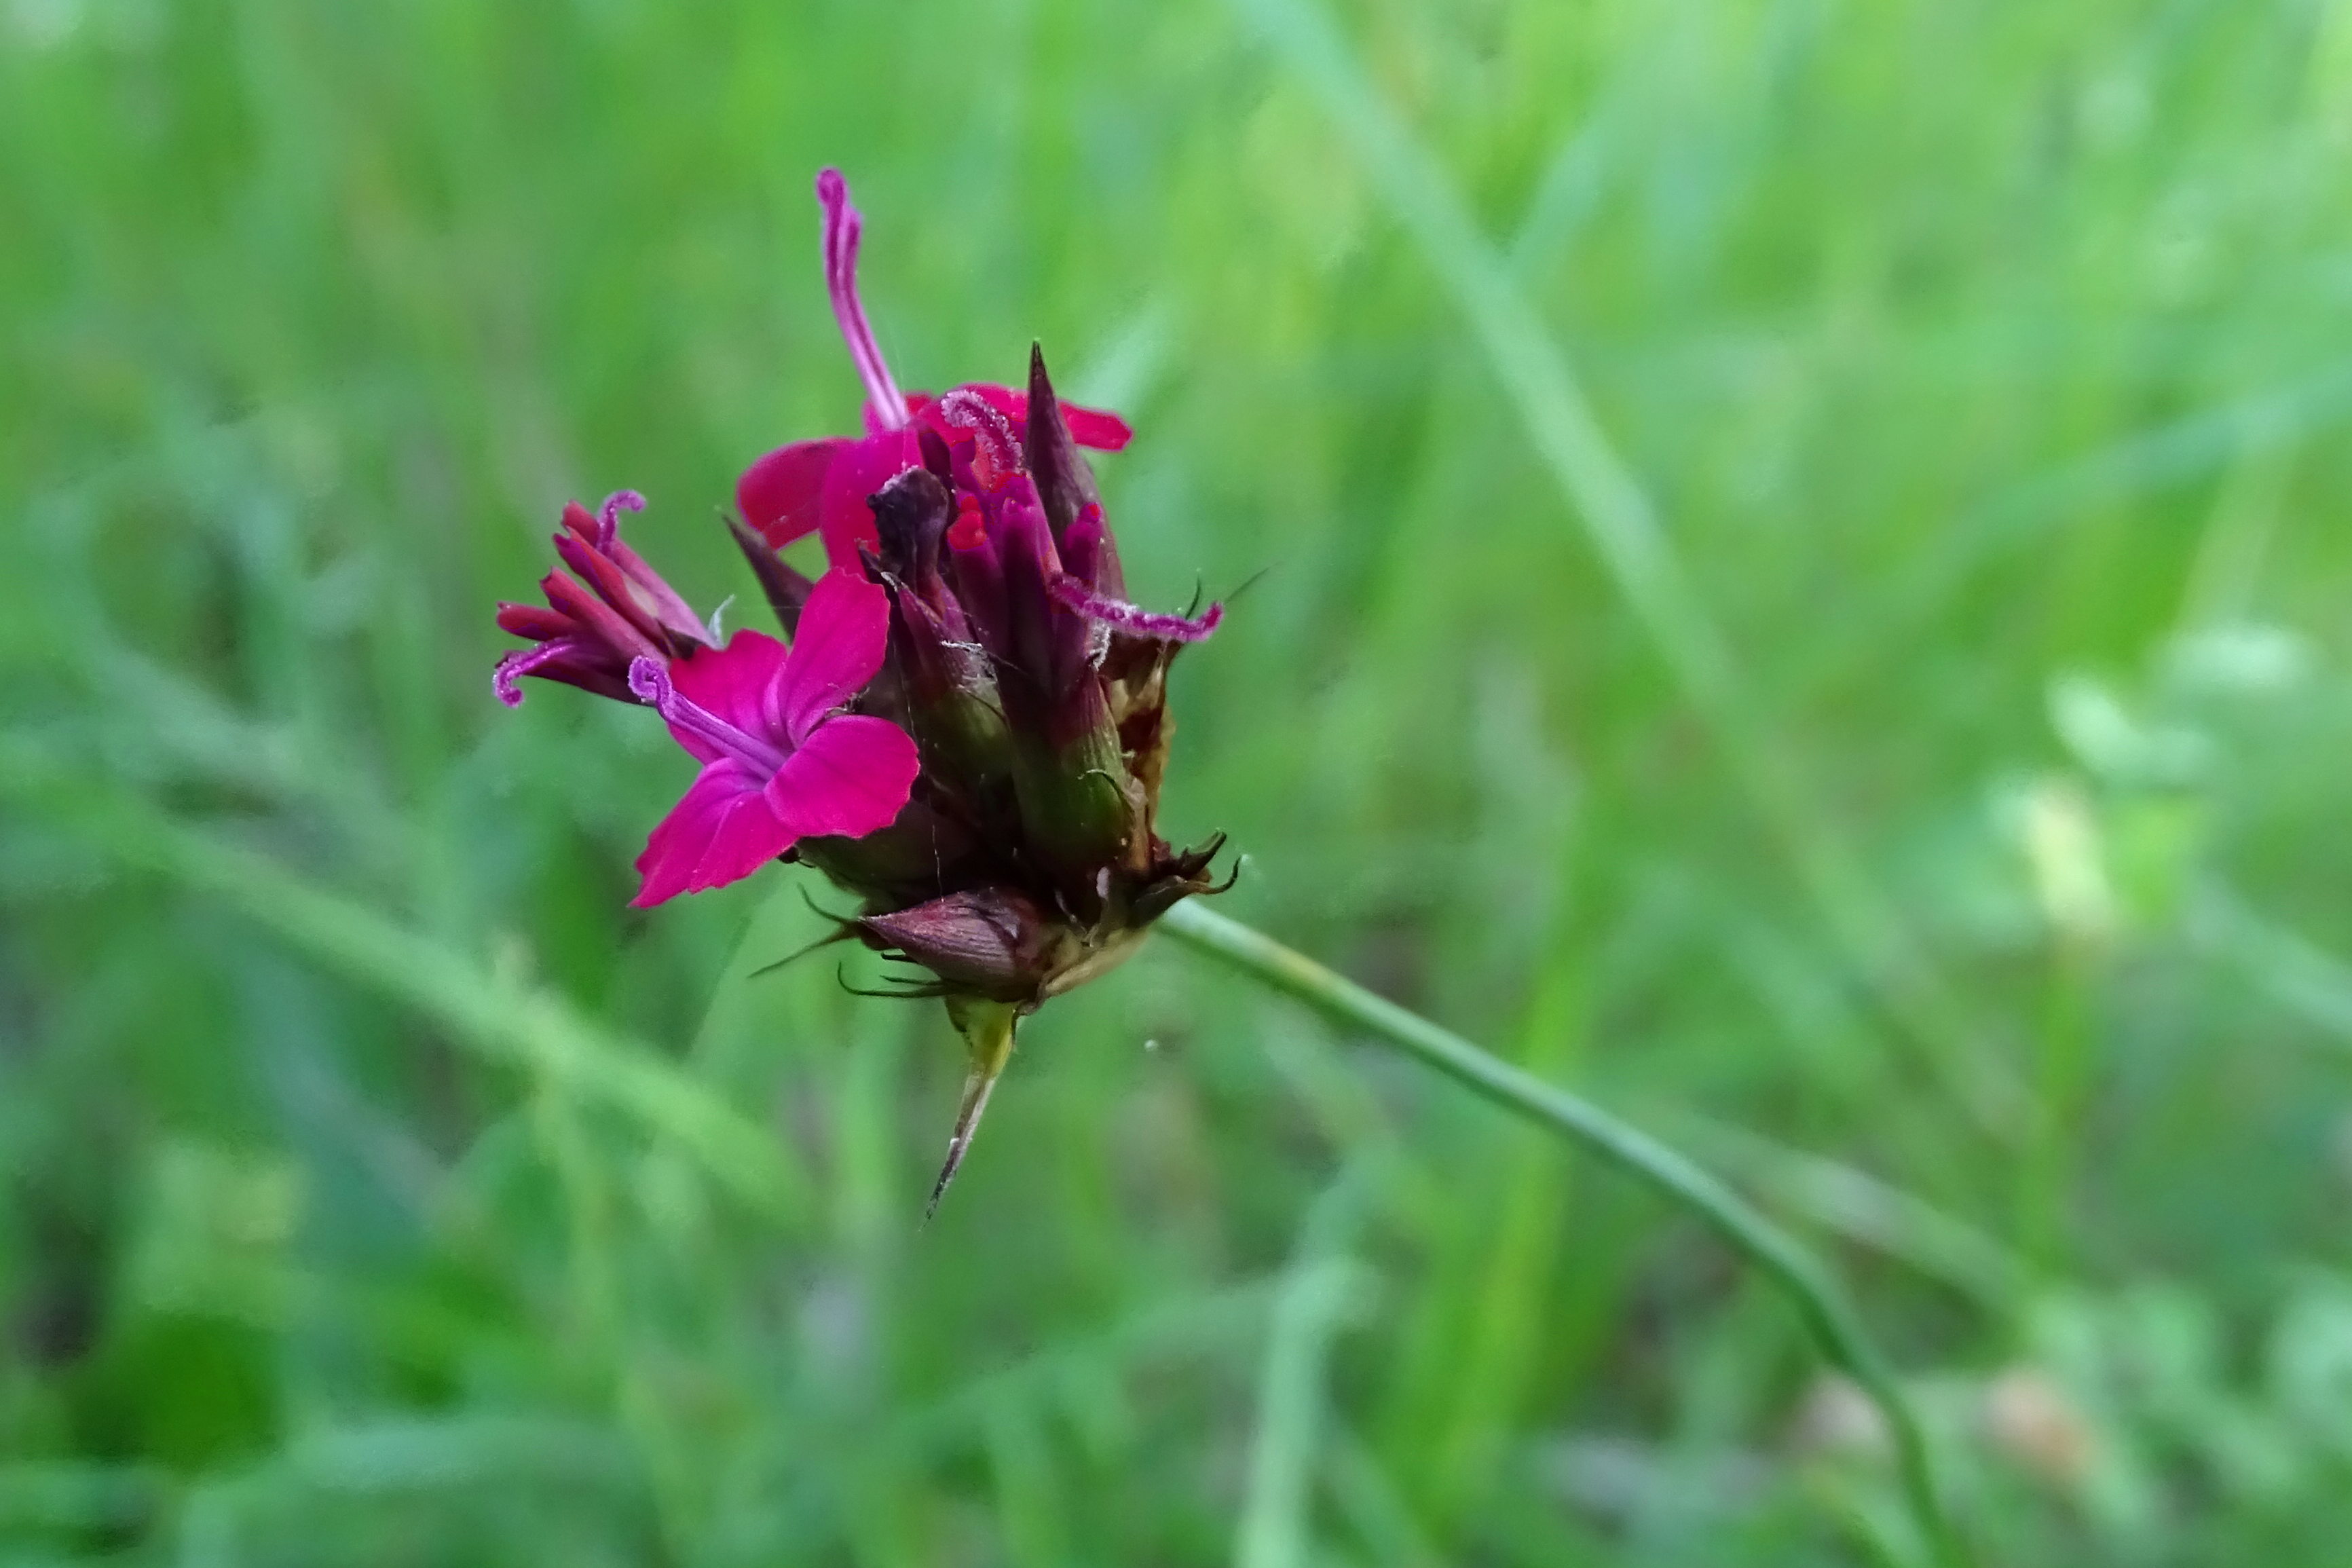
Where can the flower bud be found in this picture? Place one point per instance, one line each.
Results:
(990, 942)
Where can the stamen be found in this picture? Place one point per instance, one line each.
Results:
(842, 227)
(969, 410)
(649, 678)
(608, 516)
(524, 661)
(1071, 594)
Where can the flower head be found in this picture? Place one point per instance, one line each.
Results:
(968, 728)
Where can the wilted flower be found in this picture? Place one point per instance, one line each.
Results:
(589, 636)
(968, 729)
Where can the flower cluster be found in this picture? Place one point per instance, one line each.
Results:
(968, 729)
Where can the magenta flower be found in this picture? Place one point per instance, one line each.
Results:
(590, 636)
(1027, 860)
(779, 762)
(968, 730)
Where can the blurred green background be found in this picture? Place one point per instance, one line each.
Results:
(1800, 584)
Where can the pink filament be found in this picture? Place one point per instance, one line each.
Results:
(650, 680)
(1071, 594)
(841, 228)
(608, 516)
(991, 433)
(524, 661)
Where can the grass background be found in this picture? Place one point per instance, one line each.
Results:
(1799, 586)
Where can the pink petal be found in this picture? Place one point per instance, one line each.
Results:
(850, 778)
(533, 622)
(778, 494)
(579, 520)
(719, 832)
(649, 589)
(733, 682)
(603, 575)
(615, 630)
(1097, 427)
(845, 634)
(863, 467)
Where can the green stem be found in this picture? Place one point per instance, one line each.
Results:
(1827, 1315)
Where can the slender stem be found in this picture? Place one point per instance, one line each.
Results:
(1822, 1305)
